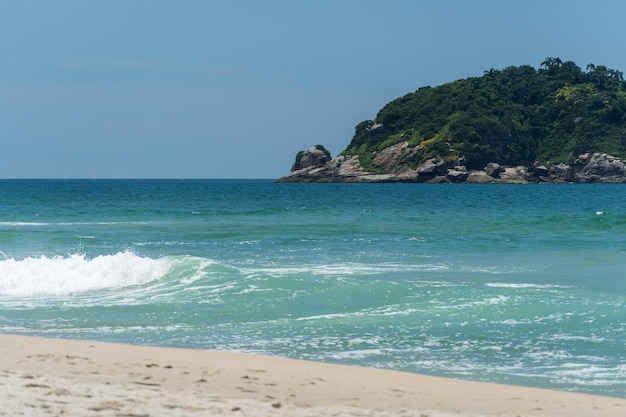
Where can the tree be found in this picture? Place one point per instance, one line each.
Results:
(551, 63)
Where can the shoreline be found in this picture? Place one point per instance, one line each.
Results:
(41, 376)
(588, 168)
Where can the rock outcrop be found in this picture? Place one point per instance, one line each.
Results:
(601, 168)
(494, 170)
(316, 165)
(314, 157)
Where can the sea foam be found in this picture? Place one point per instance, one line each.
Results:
(76, 273)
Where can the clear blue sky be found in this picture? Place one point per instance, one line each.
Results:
(235, 88)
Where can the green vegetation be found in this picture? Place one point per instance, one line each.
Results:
(514, 116)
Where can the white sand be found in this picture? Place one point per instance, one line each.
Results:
(44, 377)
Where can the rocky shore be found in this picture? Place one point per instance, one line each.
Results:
(316, 165)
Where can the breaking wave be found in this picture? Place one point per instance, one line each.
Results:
(57, 275)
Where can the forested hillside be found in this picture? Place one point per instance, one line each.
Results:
(514, 116)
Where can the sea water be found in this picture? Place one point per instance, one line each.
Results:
(518, 284)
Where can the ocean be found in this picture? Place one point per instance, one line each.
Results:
(516, 284)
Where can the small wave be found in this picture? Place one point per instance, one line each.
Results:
(342, 269)
(524, 285)
(41, 224)
(76, 273)
(495, 270)
(18, 224)
(330, 316)
(355, 354)
(588, 374)
(500, 299)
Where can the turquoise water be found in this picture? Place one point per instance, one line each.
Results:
(520, 284)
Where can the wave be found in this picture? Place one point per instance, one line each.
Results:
(344, 269)
(76, 273)
(525, 285)
(43, 224)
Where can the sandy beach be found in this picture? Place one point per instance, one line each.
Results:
(51, 377)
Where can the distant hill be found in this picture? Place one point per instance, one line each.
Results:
(517, 116)
(514, 116)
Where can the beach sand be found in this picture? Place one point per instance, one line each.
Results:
(51, 377)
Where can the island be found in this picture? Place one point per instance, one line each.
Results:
(557, 123)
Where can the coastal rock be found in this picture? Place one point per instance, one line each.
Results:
(540, 171)
(494, 169)
(514, 174)
(562, 172)
(339, 169)
(315, 165)
(389, 158)
(313, 157)
(583, 159)
(430, 169)
(479, 176)
(346, 167)
(603, 168)
(457, 175)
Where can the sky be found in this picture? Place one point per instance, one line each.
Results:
(235, 88)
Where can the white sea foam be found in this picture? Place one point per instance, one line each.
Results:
(76, 273)
(346, 269)
(356, 354)
(500, 299)
(496, 270)
(589, 338)
(523, 285)
(588, 374)
(330, 316)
